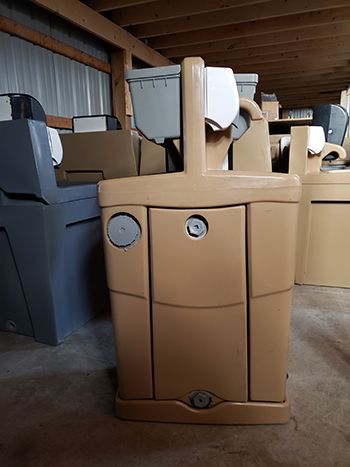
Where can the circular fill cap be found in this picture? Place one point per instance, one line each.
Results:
(123, 230)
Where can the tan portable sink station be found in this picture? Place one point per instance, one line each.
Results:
(200, 264)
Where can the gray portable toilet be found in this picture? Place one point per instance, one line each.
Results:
(52, 278)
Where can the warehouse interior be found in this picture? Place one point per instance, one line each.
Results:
(174, 221)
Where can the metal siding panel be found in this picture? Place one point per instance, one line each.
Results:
(37, 18)
(64, 87)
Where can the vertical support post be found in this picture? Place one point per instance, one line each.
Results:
(121, 61)
(193, 122)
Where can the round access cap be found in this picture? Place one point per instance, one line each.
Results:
(123, 230)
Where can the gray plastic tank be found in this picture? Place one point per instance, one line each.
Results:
(156, 100)
(246, 84)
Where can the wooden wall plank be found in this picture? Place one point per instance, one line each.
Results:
(271, 9)
(86, 18)
(43, 40)
(63, 123)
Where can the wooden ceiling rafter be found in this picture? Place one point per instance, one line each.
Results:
(316, 74)
(303, 90)
(295, 57)
(331, 31)
(109, 5)
(306, 48)
(233, 15)
(299, 48)
(252, 28)
(265, 86)
(289, 67)
(163, 10)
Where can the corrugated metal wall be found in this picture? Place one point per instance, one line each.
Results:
(64, 87)
(297, 113)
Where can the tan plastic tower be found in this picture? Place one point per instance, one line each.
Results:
(323, 256)
(201, 295)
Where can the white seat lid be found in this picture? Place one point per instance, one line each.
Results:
(221, 97)
(55, 146)
(316, 140)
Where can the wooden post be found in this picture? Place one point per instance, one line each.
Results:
(121, 61)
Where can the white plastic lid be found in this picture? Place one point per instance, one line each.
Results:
(316, 139)
(55, 146)
(221, 97)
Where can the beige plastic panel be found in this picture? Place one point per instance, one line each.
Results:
(200, 348)
(269, 319)
(196, 347)
(324, 221)
(128, 274)
(226, 413)
(272, 246)
(131, 318)
(303, 238)
(252, 151)
(209, 272)
(153, 159)
(127, 270)
(272, 250)
(101, 155)
(328, 260)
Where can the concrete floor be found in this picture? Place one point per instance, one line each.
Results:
(56, 403)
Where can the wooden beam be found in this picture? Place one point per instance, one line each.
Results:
(271, 9)
(62, 123)
(299, 77)
(273, 86)
(279, 24)
(309, 47)
(336, 30)
(310, 95)
(43, 40)
(282, 81)
(311, 73)
(84, 17)
(283, 86)
(294, 57)
(318, 92)
(302, 90)
(160, 10)
(121, 61)
(108, 5)
(252, 28)
(319, 98)
(291, 66)
(309, 101)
